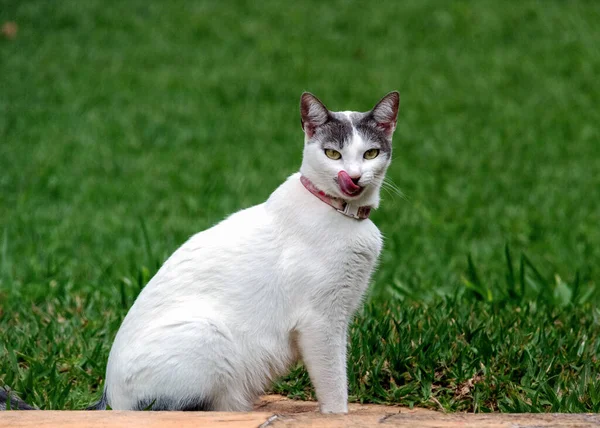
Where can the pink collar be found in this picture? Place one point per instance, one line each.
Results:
(358, 213)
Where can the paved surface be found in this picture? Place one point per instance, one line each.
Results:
(278, 412)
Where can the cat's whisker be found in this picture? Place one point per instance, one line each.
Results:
(394, 188)
(393, 195)
(390, 192)
(388, 183)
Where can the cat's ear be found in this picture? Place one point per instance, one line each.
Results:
(313, 113)
(385, 113)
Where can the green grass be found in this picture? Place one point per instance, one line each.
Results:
(125, 127)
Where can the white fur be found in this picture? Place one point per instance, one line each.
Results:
(237, 304)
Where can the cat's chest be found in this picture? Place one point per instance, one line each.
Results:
(334, 251)
(347, 244)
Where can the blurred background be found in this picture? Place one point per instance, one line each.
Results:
(127, 126)
(180, 113)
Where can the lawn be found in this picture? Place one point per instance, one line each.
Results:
(125, 127)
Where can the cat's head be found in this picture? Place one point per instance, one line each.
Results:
(346, 154)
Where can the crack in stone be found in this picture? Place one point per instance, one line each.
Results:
(268, 422)
(386, 417)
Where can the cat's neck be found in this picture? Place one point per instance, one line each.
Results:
(342, 206)
(293, 197)
(368, 198)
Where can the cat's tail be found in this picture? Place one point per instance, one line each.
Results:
(10, 401)
(100, 405)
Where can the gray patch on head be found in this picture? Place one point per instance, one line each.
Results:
(187, 405)
(366, 126)
(337, 131)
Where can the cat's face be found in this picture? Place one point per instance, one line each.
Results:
(346, 154)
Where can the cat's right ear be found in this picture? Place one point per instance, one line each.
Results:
(313, 113)
(385, 113)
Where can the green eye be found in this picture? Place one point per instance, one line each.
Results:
(371, 154)
(333, 154)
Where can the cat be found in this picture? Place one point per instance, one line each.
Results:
(238, 304)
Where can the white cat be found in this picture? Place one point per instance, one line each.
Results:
(239, 303)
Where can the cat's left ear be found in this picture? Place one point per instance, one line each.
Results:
(313, 113)
(385, 113)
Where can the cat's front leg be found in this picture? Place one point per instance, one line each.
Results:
(323, 347)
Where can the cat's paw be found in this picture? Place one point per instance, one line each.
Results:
(339, 409)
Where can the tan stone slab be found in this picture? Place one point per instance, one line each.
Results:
(292, 413)
(496, 420)
(277, 404)
(273, 411)
(130, 419)
(406, 420)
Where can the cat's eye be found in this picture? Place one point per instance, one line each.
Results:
(371, 154)
(333, 154)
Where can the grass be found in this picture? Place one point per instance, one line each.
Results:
(125, 127)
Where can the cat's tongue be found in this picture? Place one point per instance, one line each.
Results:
(347, 185)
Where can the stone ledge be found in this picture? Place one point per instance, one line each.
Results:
(275, 411)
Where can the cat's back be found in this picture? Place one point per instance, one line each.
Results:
(217, 257)
(239, 233)
(200, 288)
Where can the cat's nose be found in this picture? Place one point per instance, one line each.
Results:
(355, 179)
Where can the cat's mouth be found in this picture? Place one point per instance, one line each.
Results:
(347, 185)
